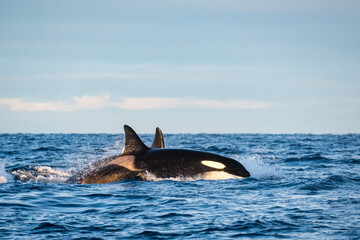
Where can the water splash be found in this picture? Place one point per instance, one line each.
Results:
(4, 176)
(42, 174)
(258, 168)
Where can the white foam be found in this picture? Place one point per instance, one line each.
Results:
(258, 168)
(4, 176)
(3, 179)
(42, 174)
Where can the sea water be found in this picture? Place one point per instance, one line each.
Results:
(302, 186)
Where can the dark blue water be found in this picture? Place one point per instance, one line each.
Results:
(302, 187)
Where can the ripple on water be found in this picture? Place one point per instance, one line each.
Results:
(47, 227)
(312, 157)
(328, 183)
(302, 187)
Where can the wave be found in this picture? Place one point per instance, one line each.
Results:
(44, 149)
(42, 174)
(311, 157)
(327, 183)
(47, 227)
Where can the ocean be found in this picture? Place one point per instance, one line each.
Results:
(302, 186)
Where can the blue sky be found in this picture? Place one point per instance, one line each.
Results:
(256, 66)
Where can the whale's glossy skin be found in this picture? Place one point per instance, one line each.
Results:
(163, 163)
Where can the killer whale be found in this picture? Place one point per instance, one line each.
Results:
(137, 159)
(157, 143)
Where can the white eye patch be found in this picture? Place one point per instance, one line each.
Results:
(213, 164)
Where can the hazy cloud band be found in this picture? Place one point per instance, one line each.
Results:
(103, 102)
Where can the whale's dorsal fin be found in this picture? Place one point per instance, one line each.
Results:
(158, 140)
(133, 144)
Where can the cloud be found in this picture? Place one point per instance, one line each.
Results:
(19, 105)
(104, 102)
(168, 103)
(79, 103)
(92, 103)
(236, 104)
(149, 103)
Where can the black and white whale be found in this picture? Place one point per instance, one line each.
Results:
(137, 159)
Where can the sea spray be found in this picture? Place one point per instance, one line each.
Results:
(4, 176)
(258, 168)
(42, 174)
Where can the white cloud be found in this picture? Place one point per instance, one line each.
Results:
(103, 102)
(79, 103)
(90, 103)
(19, 105)
(235, 104)
(149, 103)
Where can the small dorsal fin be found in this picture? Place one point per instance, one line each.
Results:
(133, 144)
(158, 140)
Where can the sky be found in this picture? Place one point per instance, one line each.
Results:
(214, 66)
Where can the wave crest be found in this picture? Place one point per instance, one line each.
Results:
(43, 174)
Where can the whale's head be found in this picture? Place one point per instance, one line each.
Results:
(227, 165)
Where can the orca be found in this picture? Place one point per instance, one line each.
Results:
(158, 139)
(137, 159)
(157, 143)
